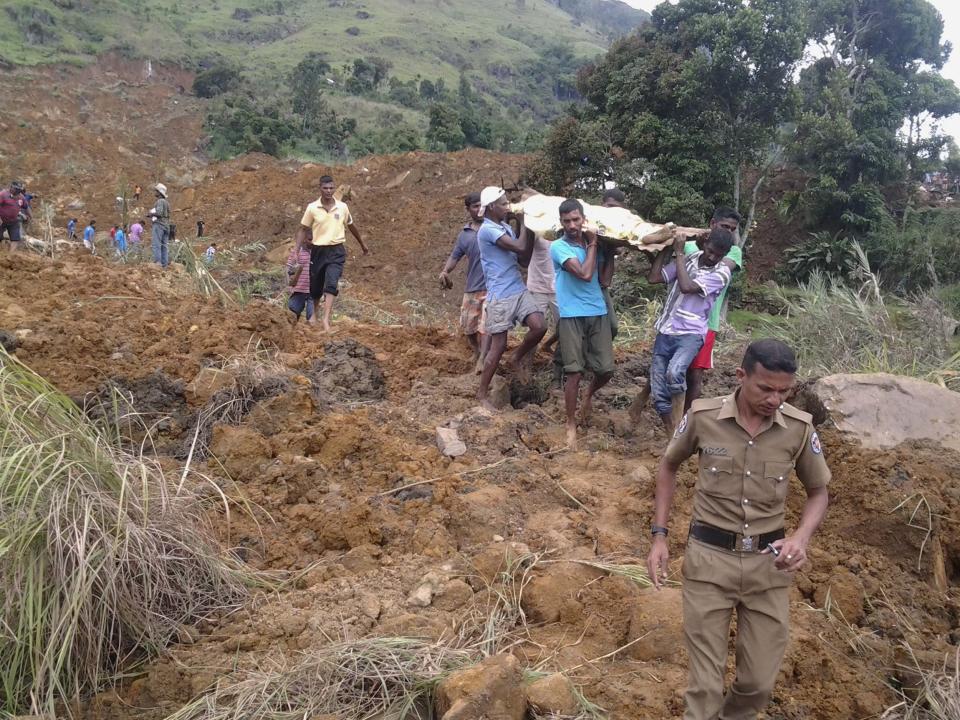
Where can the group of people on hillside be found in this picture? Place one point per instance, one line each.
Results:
(567, 288)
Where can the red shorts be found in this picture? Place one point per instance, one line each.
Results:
(704, 358)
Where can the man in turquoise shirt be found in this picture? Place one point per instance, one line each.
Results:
(728, 219)
(586, 342)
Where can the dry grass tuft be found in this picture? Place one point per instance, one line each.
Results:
(362, 679)
(937, 697)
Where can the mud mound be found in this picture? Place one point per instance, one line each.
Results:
(347, 372)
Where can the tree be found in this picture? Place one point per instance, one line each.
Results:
(444, 133)
(690, 103)
(216, 80)
(367, 74)
(856, 99)
(308, 82)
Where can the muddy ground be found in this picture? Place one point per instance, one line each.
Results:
(335, 423)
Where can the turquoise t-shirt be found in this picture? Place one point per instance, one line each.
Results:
(575, 297)
(736, 255)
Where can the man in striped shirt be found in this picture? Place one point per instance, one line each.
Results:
(695, 282)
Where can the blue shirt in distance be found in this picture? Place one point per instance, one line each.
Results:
(500, 266)
(576, 297)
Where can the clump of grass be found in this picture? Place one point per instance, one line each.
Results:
(836, 328)
(613, 565)
(362, 679)
(257, 375)
(103, 556)
(206, 284)
(936, 698)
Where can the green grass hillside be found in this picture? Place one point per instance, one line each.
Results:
(429, 38)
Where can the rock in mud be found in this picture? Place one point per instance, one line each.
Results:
(553, 695)
(491, 690)
(422, 596)
(558, 584)
(453, 596)
(242, 450)
(844, 592)
(8, 341)
(882, 411)
(658, 619)
(499, 394)
(449, 442)
(370, 605)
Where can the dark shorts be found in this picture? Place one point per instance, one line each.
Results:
(300, 301)
(326, 267)
(12, 230)
(586, 344)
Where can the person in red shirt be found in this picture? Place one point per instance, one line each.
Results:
(11, 213)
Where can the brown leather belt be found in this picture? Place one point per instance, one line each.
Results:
(735, 542)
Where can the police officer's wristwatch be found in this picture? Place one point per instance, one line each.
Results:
(658, 530)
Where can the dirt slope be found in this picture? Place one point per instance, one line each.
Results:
(344, 420)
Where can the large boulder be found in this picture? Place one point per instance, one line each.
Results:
(882, 411)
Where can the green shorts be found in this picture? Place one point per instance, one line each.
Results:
(586, 344)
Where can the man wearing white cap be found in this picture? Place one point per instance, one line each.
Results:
(508, 301)
(160, 215)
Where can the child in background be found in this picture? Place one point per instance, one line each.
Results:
(210, 254)
(298, 272)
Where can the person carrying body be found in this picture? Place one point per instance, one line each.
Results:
(695, 281)
(584, 325)
(508, 301)
(475, 289)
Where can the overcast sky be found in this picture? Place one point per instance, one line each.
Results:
(949, 9)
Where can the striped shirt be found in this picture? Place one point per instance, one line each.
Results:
(687, 313)
(301, 258)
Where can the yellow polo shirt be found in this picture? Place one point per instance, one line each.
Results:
(329, 227)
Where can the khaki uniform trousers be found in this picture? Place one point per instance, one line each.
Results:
(715, 582)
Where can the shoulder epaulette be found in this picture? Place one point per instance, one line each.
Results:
(796, 413)
(707, 404)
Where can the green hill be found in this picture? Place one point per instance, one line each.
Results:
(427, 38)
(505, 68)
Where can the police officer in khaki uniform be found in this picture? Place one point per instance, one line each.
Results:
(738, 554)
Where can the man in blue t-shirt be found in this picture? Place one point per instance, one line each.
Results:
(508, 301)
(586, 342)
(475, 289)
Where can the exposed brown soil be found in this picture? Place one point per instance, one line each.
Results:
(358, 419)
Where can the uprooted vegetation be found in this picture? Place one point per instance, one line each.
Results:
(105, 557)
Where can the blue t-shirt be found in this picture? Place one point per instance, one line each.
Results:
(120, 238)
(576, 297)
(468, 246)
(71, 226)
(500, 266)
(88, 233)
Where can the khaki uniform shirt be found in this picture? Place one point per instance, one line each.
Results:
(327, 226)
(742, 481)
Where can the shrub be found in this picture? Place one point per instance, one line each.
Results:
(216, 81)
(825, 253)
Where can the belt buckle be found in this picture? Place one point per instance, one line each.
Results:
(746, 543)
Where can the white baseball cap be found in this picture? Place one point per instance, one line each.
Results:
(161, 188)
(490, 195)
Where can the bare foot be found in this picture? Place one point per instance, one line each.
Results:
(572, 436)
(478, 368)
(488, 406)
